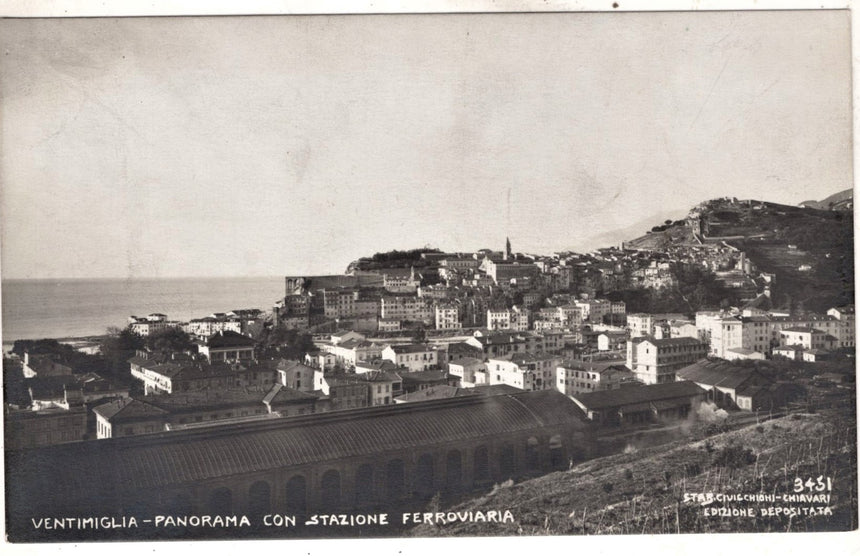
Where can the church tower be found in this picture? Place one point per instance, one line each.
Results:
(508, 254)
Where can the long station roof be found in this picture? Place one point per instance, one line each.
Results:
(182, 457)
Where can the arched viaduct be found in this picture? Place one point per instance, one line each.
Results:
(368, 459)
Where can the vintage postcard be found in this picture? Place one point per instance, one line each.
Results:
(407, 275)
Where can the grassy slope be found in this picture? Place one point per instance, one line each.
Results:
(646, 486)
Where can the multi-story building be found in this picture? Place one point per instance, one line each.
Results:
(640, 324)
(507, 272)
(383, 387)
(297, 376)
(682, 329)
(207, 326)
(525, 371)
(150, 324)
(399, 282)
(459, 263)
(32, 429)
(447, 316)
(349, 352)
(407, 308)
(227, 346)
(187, 376)
(502, 344)
(471, 372)
(655, 361)
(845, 330)
(807, 338)
(519, 319)
(499, 318)
(593, 310)
(577, 377)
(339, 303)
(414, 357)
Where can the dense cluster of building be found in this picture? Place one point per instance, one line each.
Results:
(460, 326)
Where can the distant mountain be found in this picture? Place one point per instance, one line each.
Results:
(844, 200)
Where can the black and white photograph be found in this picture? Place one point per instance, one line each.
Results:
(523, 273)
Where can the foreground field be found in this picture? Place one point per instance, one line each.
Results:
(657, 490)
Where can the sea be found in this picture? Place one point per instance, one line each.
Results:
(74, 308)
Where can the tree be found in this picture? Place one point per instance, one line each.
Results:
(169, 339)
(290, 343)
(117, 347)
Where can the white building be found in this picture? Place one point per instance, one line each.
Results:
(655, 361)
(593, 310)
(415, 357)
(447, 317)
(471, 372)
(525, 371)
(577, 377)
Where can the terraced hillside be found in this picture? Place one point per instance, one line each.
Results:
(654, 490)
(810, 251)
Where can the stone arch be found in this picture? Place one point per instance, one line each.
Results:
(532, 453)
(330, 490)
(556, 452)
(179, 504)
(395, 479)
(221, 501)
(260, 498)
(507, 462)
(454, 470)
(424, 477)
(578, 449)
(364, 491)
(296, 496)
(481, 464)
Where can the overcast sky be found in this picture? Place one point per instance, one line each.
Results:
(287, 145)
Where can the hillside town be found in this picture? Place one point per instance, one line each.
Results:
(420, 374)
(427, 325)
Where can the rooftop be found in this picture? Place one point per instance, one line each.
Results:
(439, 392)
(187, 457)
(716, 373)
(412, 348)
(228, 339)
(606, 399)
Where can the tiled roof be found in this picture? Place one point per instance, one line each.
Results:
(45, 387)
(129, 409)
(280, 395)
(412, 348)
(606, 399)
(466, 361)
(716, 373)
(520, 358)
(228, 339)
(668, 342)
(290, 365)
(463, 347)
(47, 367)
(441, 391)
(424, 376)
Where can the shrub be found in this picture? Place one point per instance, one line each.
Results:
(628, 474)
(734, 457)
(607, 487)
